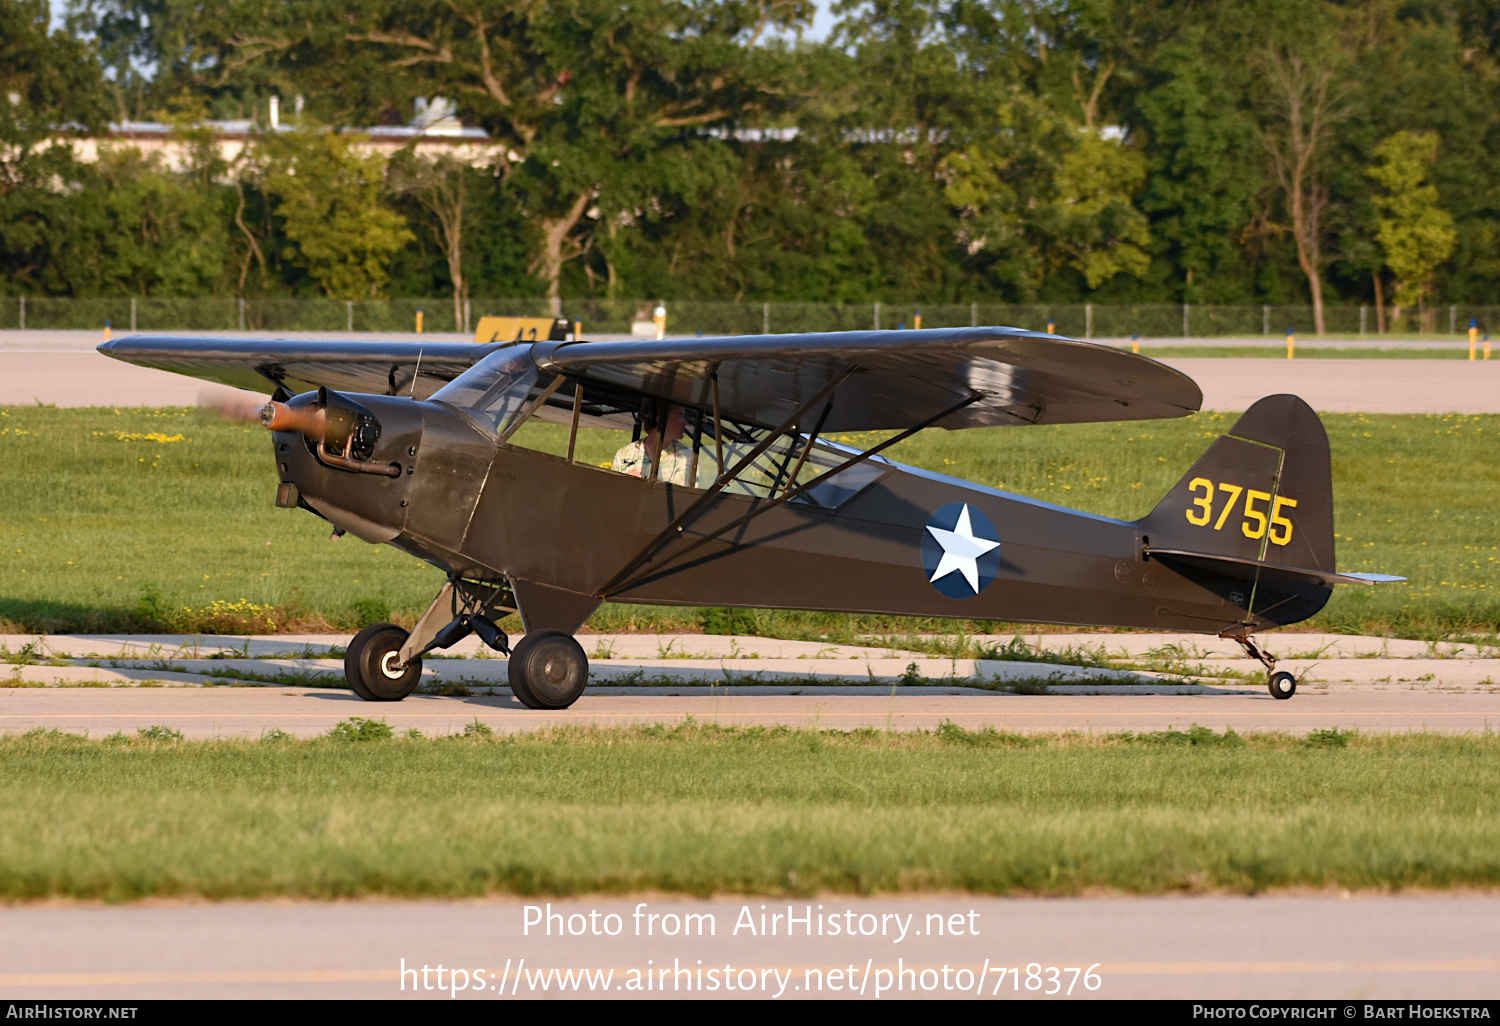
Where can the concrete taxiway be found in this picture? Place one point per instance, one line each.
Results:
(1329, 947)
(219, 686)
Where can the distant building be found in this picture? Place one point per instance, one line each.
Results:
(434, 130)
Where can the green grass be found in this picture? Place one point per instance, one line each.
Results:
(1304, 352)
(702, 809)
(106, 528)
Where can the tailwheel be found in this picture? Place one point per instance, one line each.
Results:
(1282, 684)
(548, 670)
(370, 664)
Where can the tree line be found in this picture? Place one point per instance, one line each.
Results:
(1114, 151)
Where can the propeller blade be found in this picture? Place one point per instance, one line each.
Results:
(243, 407)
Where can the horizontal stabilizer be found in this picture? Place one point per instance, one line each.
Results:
(1260, 570)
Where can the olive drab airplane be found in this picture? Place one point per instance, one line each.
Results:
(733, 491)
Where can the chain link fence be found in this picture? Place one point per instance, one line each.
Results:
(1156, 322)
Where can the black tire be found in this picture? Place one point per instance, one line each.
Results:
(367, 664)
(1282, 685)
(548, 670)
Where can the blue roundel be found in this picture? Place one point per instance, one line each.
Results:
(960, 550)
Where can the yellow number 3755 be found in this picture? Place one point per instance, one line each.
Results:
(1255, 522)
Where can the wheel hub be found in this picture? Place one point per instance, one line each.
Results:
(389, 668)
(555, 670)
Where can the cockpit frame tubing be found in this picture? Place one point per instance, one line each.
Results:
(817, 430)
(619, 585)
(661, 442)
(713, 382)
(650, 548)
(577, 412)
(697, 448)
(536, 404)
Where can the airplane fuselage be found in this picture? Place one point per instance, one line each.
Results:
(910, 543)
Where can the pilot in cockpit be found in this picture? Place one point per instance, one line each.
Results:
(662, 428)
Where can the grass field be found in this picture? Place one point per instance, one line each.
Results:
(702, 809)
(164, 520)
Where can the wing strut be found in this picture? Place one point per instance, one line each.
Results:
(622, 580)
(807, 447)
(724, 480)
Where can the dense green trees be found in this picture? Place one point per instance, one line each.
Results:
(930, 150)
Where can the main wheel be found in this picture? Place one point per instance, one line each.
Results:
(548, 670)
(1282, 684)
(370, 664)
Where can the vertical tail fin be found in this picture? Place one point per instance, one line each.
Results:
(1262, 492)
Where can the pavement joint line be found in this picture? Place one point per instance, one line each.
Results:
(1104, 968)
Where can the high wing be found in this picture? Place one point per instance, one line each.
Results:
(988, 376)
(299, 365)
(901, 379)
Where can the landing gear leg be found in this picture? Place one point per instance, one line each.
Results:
(1281, 684)
(460, 609)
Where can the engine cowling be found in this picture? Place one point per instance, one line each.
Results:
(383, 466)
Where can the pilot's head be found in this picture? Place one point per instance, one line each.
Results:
(667, 418)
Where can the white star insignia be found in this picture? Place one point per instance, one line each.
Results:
(961, 550)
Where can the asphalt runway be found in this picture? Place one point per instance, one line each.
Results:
(248, 712)
(62, 368)
(1333, 947)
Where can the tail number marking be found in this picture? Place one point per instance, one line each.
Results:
(1277, 520)
(1255, 523)
(1251, 513)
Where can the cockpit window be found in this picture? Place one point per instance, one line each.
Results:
(494, 390)
(771, 471)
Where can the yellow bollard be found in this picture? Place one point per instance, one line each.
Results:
(106, 331)
(419, 320)
(1135, 344)
(1473, 337)
(917, 321)
(1050, 326)
(659, 315)
(1291, 345)
(577, 331)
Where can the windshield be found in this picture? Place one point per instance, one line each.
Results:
(494, 390)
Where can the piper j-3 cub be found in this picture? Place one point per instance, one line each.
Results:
(415, 445)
